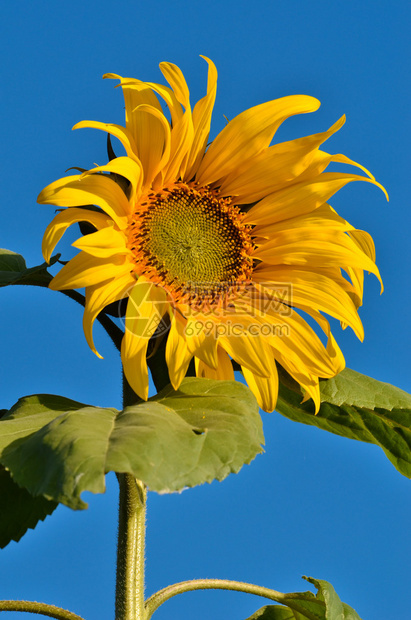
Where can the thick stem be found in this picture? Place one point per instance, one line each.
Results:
(160, 597)
(131, 538)
(39, 608)
(130, 549)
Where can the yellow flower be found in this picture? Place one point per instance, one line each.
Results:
(225, 242)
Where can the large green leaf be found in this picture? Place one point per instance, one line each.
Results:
(358, 407)
(58, 448)
(13, 270)
(19, 510)
(325, 605)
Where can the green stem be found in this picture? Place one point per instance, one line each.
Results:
(39, 608)
(131, 538)
(114, 332)
(130, 549)
(160, 597)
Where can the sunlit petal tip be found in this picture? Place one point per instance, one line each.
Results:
(90, 342)
(93, 348)
(382, 188)
(111, 76)
(211, 65)
(88, 332)
(314, 395)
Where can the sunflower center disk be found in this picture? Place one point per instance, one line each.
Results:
(192, 242)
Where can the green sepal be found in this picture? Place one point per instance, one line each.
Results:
(59, 448)
(19, 511)
(325, 605)
(358, 407)
(13, 270)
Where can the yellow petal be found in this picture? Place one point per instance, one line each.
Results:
(365, 243)
(178, 356)
(175, 107)
(135, 93)
(324, 216)
(126, 167)
(249, 133)
(103, 243)
(86, 270)
(224, 370)
(175, 78)
(265, 389)
(300, 198)
(145, 309)
(121, 133)
(100, 296)
(321, 160)
(289, 334)
(274, 167)
(147, 124)
(309, 383)
(95, 189)
(201, 339)
(50, 190)
(333, 350)
(201, 121)
(313, 247)
(153, 141)
(135, 366)
(303, 288)
(247, 350)
(182, 124)
(63, 220)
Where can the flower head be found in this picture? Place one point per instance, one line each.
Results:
(222, 244)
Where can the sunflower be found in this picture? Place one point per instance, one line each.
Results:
(228, 244)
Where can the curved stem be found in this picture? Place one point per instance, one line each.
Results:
(39, 608)
(160, 597)
(111, 328)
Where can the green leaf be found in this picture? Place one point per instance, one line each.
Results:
(361, 408)
(13, 270)
(325, 605)
(59, 448)
(335, 609)
(274, 612)
(20, 511)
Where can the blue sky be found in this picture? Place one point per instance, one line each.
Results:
(314, 503)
